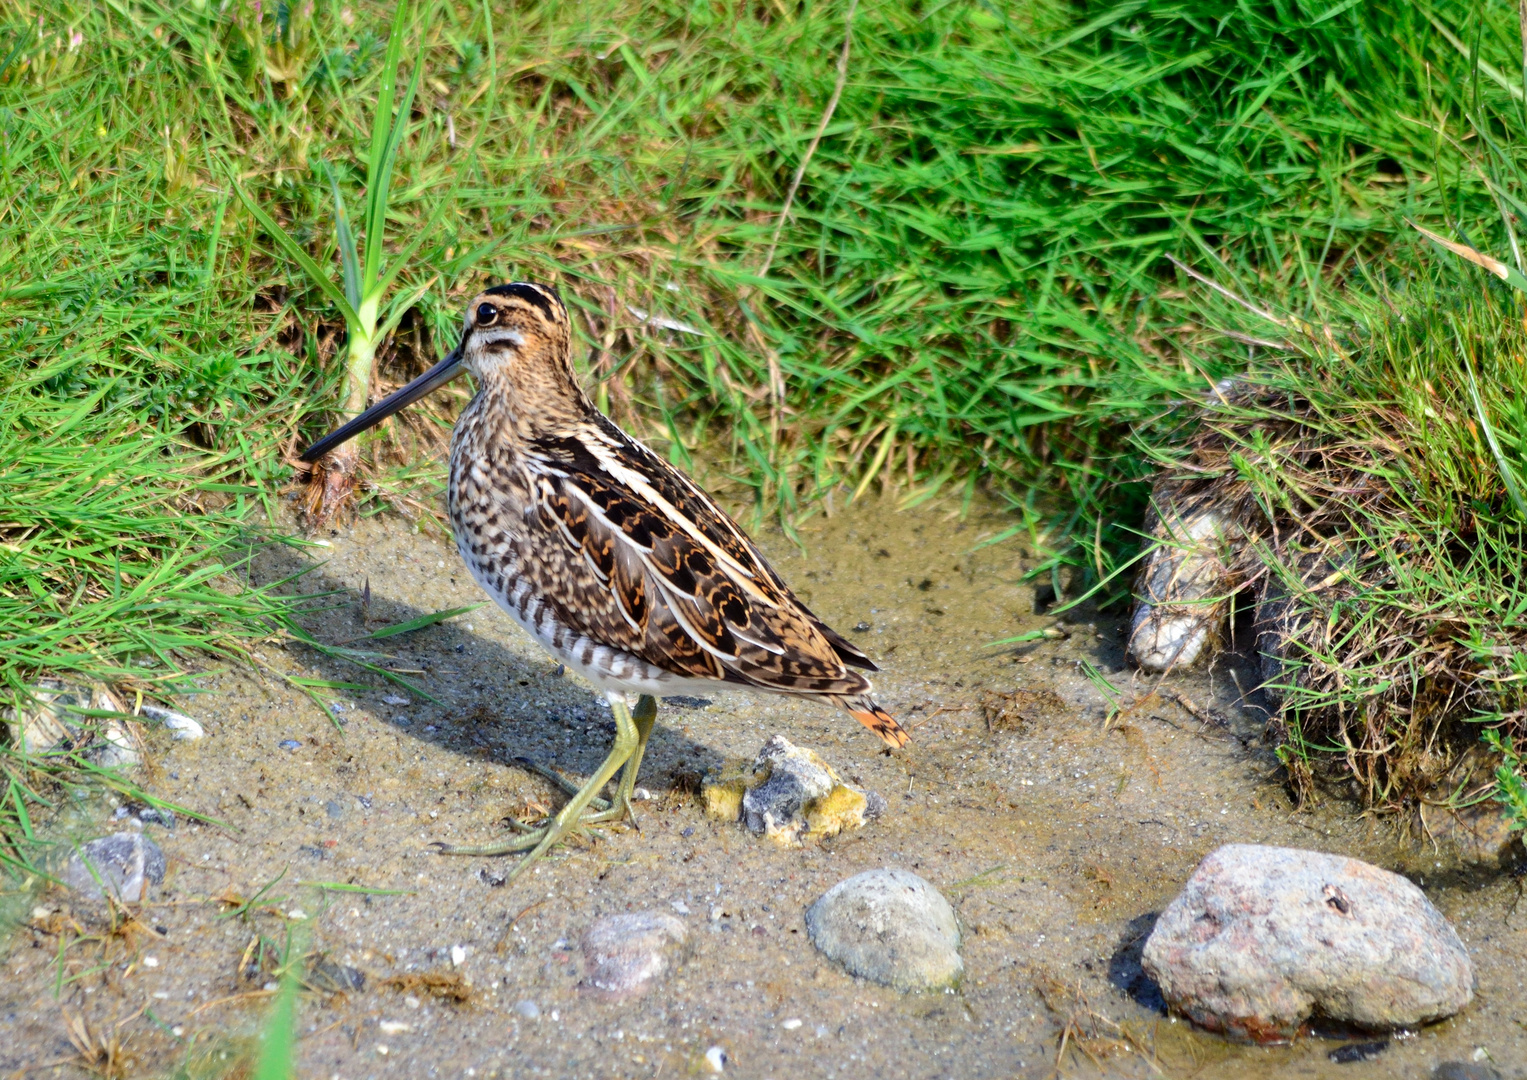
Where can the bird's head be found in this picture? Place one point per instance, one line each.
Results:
(516, 340)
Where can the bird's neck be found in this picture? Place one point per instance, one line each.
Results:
(516, 417)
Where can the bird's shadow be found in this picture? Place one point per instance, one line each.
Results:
(492, 703)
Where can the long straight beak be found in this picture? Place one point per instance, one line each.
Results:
(438, 375)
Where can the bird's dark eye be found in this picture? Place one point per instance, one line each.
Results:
(486, 313)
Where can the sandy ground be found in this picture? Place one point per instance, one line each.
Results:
(1057, 839)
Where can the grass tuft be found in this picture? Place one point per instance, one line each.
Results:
(980, 278)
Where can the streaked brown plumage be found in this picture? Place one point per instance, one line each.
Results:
(617, 563)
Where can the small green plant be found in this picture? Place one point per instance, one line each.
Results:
(278, 1040)
(362, 293)
(1510, 777)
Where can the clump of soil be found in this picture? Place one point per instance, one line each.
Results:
(1369, 641)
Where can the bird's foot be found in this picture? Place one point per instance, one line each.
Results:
(583, 808)
(531, 837)
(562, 783)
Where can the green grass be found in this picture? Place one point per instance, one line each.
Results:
(971, 288)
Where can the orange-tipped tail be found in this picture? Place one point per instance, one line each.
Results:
(872, 716)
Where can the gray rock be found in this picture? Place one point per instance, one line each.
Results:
(788, 794)
(124, 863)
(623, 954)
(332, 977)
(528, 1009)
(794, 780)
(891, 927)
(119, 746)
(1261, 938)
(1464, 1070)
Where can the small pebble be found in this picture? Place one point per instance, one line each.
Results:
(528, 1009)
(891, 927)
(688, 831)
(715, 1059)
(334, 809)
(458, 955)
(125, 863)
(118, 749)
(791, 1024)
(335, 978)
(395, 699)
(1364, 1051)
(394, 1027)
(151, 961)
(1464, 1070)
(179, 725)
(623, 954)
(288, 744)
(681, 907)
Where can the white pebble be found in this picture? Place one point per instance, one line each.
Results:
(179, 725)
(151, 961)
(395, 699)
(393, 1027)
(528, 1009)
(791, 1024)
(458, 955)
(678, 905)
(715, 1059)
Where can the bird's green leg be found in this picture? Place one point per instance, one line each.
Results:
(562, 783)
(539, 841)
(644, 716)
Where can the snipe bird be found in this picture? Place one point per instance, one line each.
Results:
(612, 559)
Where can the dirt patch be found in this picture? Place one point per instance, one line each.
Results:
(1054, 828)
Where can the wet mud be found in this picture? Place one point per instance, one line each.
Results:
(1055, 826)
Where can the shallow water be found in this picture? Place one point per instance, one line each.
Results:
(1056, 841)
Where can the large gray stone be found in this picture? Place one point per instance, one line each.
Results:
(1261, 938)
(123, 863)
(623, 954)
(891, 927)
